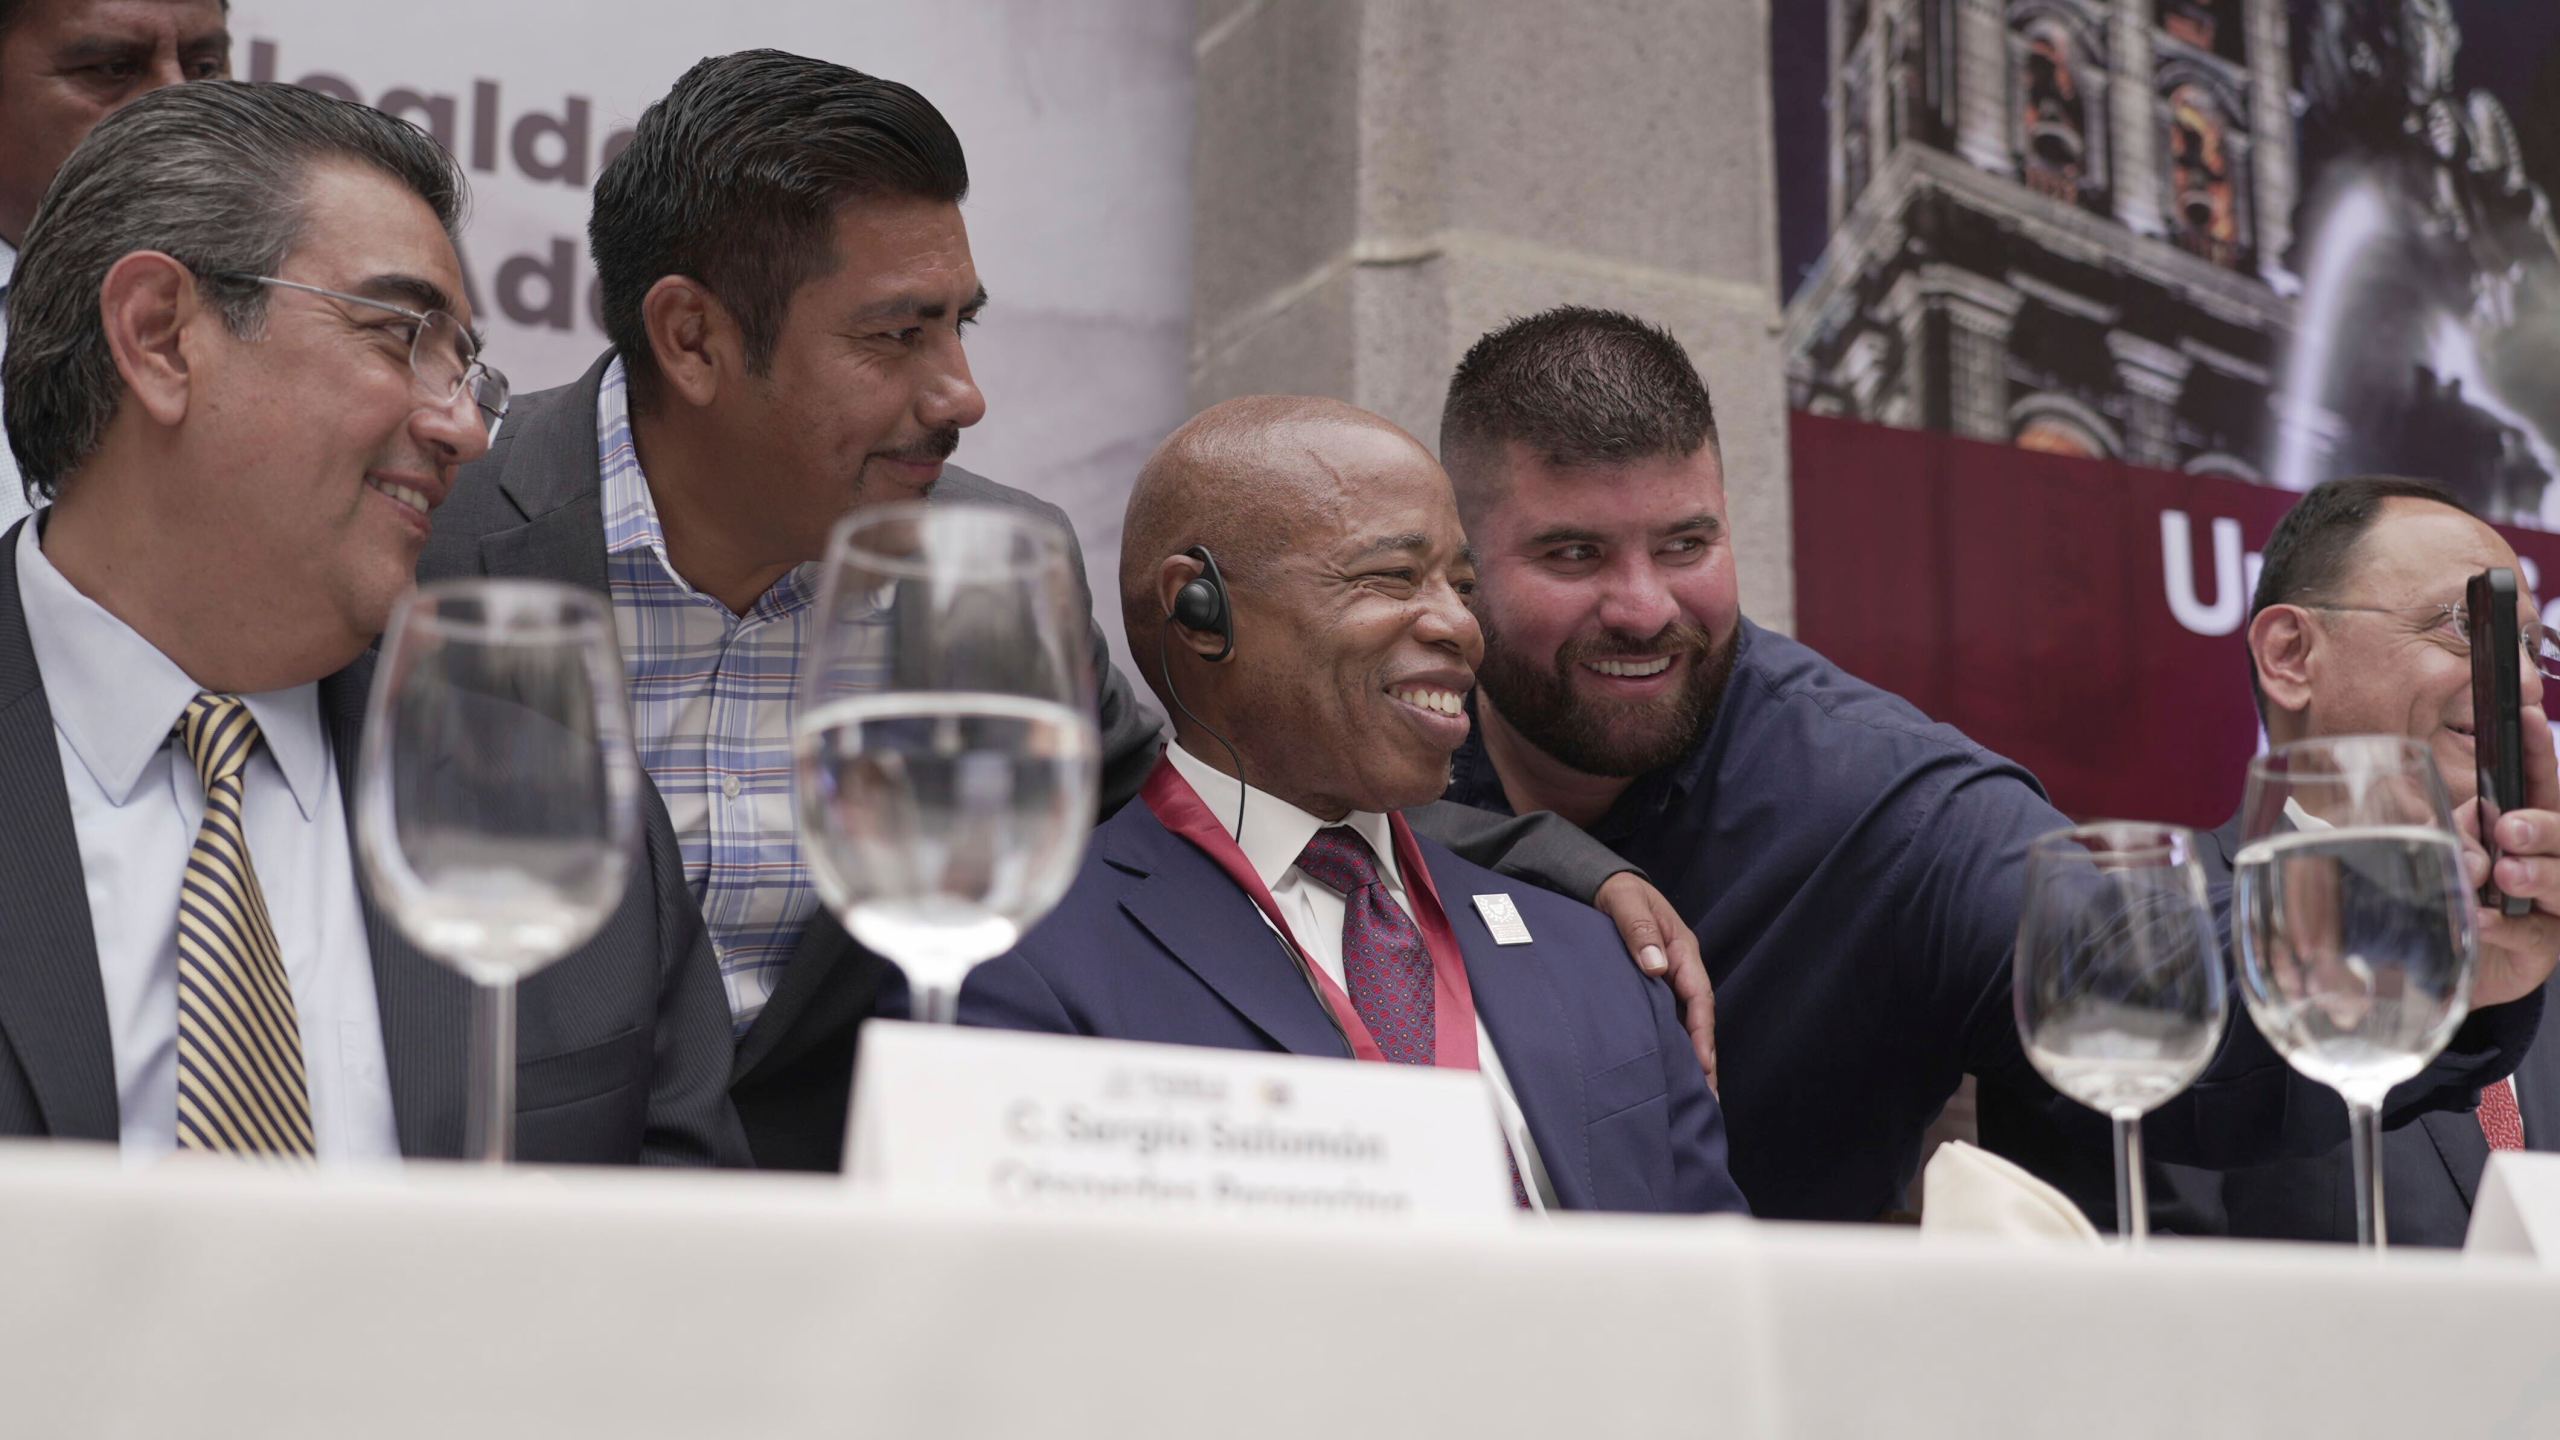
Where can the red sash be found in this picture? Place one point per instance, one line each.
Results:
(1453, 1000)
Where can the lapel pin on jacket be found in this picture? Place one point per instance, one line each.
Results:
(1503, 919)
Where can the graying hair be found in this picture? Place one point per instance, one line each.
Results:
(211, 174)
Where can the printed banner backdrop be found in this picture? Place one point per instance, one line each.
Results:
(1077, 121)
(2082, 617)
(2083, 292)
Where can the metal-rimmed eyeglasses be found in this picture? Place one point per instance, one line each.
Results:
(2452, 626)
(442, 355)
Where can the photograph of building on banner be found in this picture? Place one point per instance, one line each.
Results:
(2081, 293)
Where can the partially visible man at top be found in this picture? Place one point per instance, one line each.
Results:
(1853, 870)
(787, 282)
(64, 66)
(1267, 893)
(2359, 627)
(243, 374)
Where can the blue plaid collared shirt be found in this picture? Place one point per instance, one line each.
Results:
(712, 695)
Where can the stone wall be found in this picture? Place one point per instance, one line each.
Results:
(1378, 182)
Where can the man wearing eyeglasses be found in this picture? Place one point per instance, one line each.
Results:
(2358, 628)
(64, 66)
(238, 374)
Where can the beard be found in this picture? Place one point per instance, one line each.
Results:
(1608, 737)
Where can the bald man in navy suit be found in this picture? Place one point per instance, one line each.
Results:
(1297, 569)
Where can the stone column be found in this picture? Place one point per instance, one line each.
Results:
(1980, 314)
(2154, 376)
(1376, 183)
(1982, 86)
(2272, 165)
(2136, 122)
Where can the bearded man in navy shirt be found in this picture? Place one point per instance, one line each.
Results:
(1853, 871)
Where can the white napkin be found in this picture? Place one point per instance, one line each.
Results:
(1969, 1191)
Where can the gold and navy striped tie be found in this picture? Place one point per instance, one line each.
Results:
(241, 1089)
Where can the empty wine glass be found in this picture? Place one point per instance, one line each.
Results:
(2118, 985)
(498, 797)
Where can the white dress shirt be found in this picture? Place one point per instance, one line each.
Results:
(13, 498)
(1275, 832)
(135, 804)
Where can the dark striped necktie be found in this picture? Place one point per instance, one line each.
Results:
(241, 1089)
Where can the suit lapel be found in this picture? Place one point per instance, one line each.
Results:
(554, 478)
(1524, 1011)
(2460, 1144)
(53, 1007)
(425, 1008)
(822, 949)
(1192, 909)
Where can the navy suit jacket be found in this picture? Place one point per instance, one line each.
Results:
(1155, 942)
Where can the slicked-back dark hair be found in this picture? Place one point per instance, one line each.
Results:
(1579, 387)
(2308, 559)
(735, 178)
(213, 174)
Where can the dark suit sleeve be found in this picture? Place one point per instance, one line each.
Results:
(1700, 1182)
(1542, 848)
(1131, 735)
(691, 1121)
(1007, 993)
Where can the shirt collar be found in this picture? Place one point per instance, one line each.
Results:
(116, 698)
(2303, 819)
(1275, 831)
(631, 510)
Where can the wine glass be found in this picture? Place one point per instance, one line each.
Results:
(947, 758)
(2356, 928)
(2118, 985)
(498, 798)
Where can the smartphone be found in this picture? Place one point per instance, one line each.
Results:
(2497, 721)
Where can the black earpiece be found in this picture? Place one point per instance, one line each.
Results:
(1201, 604)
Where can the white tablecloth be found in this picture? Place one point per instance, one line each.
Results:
(441, 1302)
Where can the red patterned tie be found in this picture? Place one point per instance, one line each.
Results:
(1386, 967)
(2500, 1120)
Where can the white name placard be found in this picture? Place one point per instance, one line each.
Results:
(1048, 1123)
(2518, 1211)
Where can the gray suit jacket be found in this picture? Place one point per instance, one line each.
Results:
(622, 1047)
(534, 507)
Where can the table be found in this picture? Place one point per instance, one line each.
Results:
(440, 1301)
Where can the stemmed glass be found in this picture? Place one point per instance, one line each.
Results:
(2356, 930)
(498, 798)
(2118, 985)
(946, 753)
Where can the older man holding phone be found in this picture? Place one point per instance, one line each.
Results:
(2364, 623)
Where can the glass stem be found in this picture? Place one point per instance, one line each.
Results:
(937, 1004)
(2364, 1138)
(2133, 1207)
(489, 1130)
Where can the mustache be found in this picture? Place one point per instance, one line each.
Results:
(934, 447)
(1677, 638)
